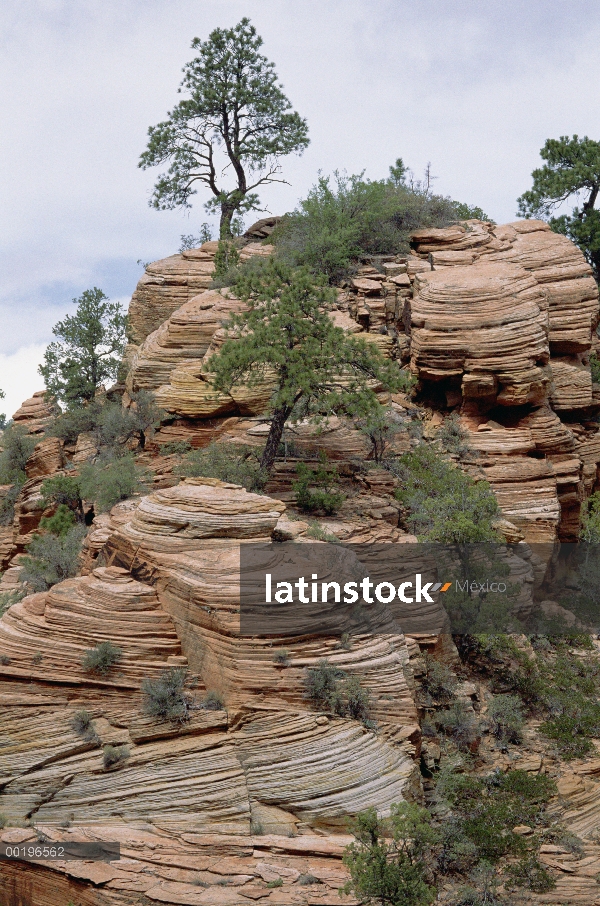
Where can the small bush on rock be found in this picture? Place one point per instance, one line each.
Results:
(8, 598)
(80, 420)
(234, 463)
(333, 690)
(7, 503)
(317, 489)
(164, 697)
(52, 558)
(63, 490)
(107, 483)
(530, 873)
(17, 447)
(180, 447)
(389, 862)
(213, 702)
(348, 216)
(443, 503)
(506, 716)
(460, 723)
(118, 425)
(102, 658)
(438, 681)
(82, 723)
(114, 755)
(60, 523)
(453, 437)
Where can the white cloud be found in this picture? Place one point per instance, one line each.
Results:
(18, 376)
(475, 88)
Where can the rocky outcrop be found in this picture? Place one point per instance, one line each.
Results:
(169, 283)
(269, 764)
(503, 319)
(183, 337)
(35, 413)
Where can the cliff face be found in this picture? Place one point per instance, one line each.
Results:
(198, 802)
(497, 323)
(509, 333)
(249, 798)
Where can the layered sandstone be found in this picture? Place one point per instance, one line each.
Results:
(169, 283)
(35, 413)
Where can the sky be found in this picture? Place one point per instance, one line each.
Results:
(474, 87)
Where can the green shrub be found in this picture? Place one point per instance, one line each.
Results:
(315, 531)
(470, 212)
(346, 217)
(438, 681)
(281, 656)
(176, 446)
(118, 425)
(380, 426)
(213, 702)
(82, 724)
(595, 368)
(452, 436)
(114, 755)
(233, 463)
(529, 873)
(8, 598)
(60, 523)
(317, 489)
(489, 807)
(322, 682)
(306, 879)
(70, 424)
(443, 503)
(8, 501)
(17, 447)
(102, 658)
(278, 882)
(226, 258)
(459, 723)
(52, 558)
(62, 490)
(389, 862)
(107, 483)
(590, 519)
(333, 690)
(457, 852)
(164, 697)
(506, 717)
(190, 241)
(484, 893)
(355, 699)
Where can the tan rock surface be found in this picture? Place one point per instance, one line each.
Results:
(35, 413)
(173, 281)
(185, 336)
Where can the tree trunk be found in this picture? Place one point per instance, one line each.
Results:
(227, 212)
(278, 421)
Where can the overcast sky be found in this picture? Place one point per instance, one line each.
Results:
(474, 87)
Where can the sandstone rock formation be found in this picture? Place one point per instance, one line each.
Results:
(194, 795)
(497, 323)
(35, 413)
(169, 283)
